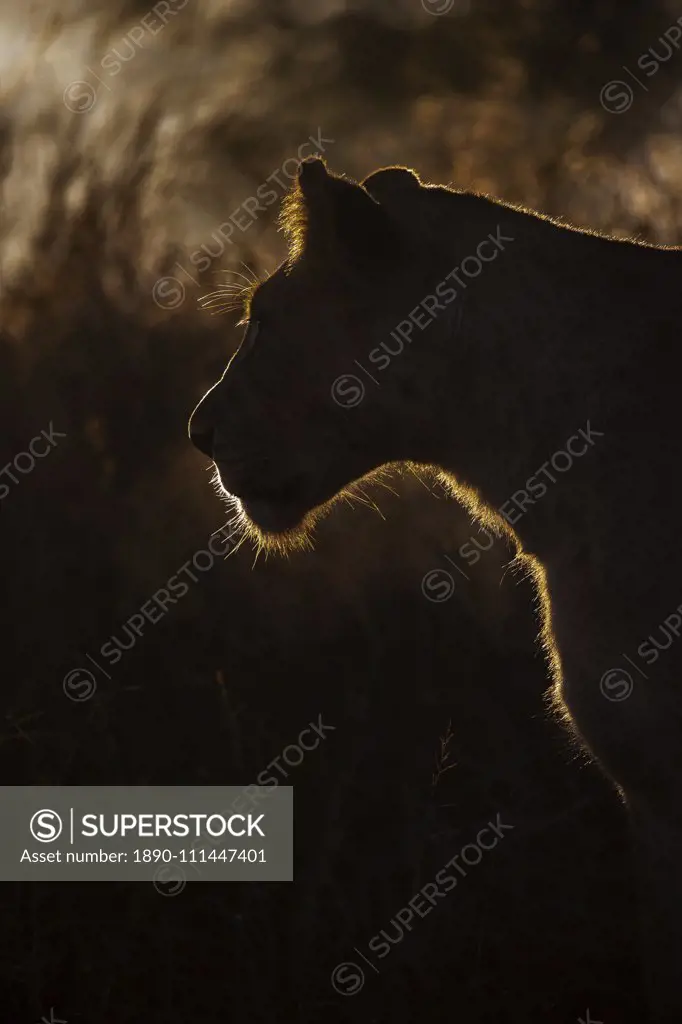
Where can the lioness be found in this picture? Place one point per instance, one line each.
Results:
(416, 323)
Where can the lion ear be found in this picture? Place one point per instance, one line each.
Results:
(313, 178)
(392, 184)
(342, 218)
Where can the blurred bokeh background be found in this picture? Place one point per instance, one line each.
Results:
(143, 154)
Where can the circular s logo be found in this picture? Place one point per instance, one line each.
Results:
(617, 97)
(438, 586)
(79, 684)
(348, 391)
(169, 881)
(616, 685)
(168, 293)
(46, 826)
(79, 97)
(348, 978)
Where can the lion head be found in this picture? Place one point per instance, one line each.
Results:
(342, 366)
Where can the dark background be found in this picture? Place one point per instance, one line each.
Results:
(98, 205)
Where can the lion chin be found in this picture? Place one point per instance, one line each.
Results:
(273, 518)
(278, 518)
(280, 529)
(277, 527)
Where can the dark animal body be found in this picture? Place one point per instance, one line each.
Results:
(546, 391)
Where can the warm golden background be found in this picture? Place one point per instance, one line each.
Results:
(108, 186)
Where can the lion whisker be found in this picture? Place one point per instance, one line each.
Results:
(254, 276)
(238, 274)
(207, 300)
(233, 286)
(218, 309)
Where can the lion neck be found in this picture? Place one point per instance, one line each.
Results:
(546, 338)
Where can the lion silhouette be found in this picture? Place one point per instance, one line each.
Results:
(536, 366)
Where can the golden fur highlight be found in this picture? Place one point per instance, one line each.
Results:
(293, 222)
(300, 537)
(527, 564)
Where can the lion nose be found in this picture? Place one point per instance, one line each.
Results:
(201, 429)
